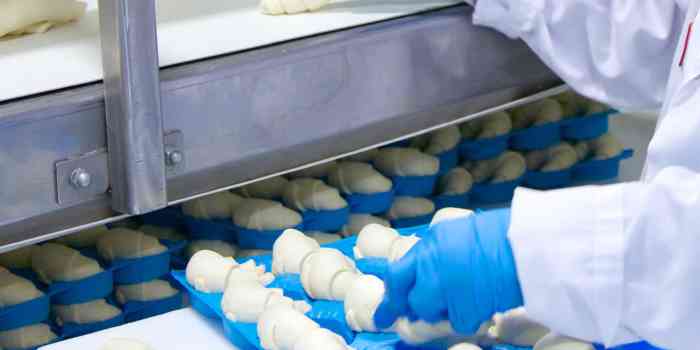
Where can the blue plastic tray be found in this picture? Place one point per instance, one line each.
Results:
(448, 160)
(167, 217)
(586, 127)
(218, 230)
(138, 310)
(325, 220)
(259, 239)
(600, 170)
(25, 314)
(549, 179)
(483, 148)
(410, 222)
(138, 270)
(452, 201)
(491, 193)
(370, 203)
(414, 186)
(536, 137)
(90, 288)
(71, 330)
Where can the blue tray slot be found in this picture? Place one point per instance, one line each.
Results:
(586, 127)
(414, 186)
(481, 149)
(373, 266)
(549, 179)
(259, 239)
(451, 201)
(167, 217)
(138, 270)
(331, 315)
(448, 160)
(138, 310)
(536, 137)
(90, 288)
(291, 286)
(325, 220)
(25, 314)
(599, 170)
(410, 222)
(402, 143)
(375, 341)
(373, 203)
(219, 229)
(491, 193)
(70, 330)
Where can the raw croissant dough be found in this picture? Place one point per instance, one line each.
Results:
(410, 207)
(366, 156)
(465, 346)
(15, 289)
(449, 214)
(57, 263)
(147, 291)
(358, 177)
(324, 237)
(219, 205)
(209, 272)
(311, 194)
(327, 274)
(506, 167)
(488, 126)
(603, 147)
(247, 301)
(123, 243)
(281, 327)
(18, 259)
(271, 188)
(358, 221)
(264, 214)
(456, 181)
(514, 327)
(93, 311)
(37, 16)
(376, 241)
(443, 140)
(27, 337)
(553, 341)
(222, 248)
(316, 171)
(558, 157)
(396, 161)
(125, 344)
(362, 301)
(160, 232)
(246, 253)
(84, 238)
(290, 250)
(537, 113)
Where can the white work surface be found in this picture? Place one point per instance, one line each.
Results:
(178, 330)
(70, 55)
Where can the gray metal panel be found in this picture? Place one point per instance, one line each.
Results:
(132, 100)
(253, 114)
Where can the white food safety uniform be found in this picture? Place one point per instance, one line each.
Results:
(616, 263)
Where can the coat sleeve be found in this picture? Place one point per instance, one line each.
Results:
(613, 264)
(616, 51)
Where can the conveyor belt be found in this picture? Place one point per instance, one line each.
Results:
(187, 31)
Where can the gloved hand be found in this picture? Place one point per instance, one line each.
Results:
(463, 271)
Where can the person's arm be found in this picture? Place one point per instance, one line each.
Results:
(615, 51)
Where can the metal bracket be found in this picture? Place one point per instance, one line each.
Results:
(174, 152)
(82, 178)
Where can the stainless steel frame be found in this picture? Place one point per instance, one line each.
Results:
(254, 114)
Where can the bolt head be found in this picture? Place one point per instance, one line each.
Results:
(174, 157)
(80, 178)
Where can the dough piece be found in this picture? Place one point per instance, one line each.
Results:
(27, 337)
(605, 147)
(290, 250)
(328, 274)
(210, 272)
(553, 341)
(246, 302)
(366, 156)
(84, 238)
(594, 107)
(311, 194)
(246, 253)
(544, 111)
(19, 17)
(558, 157)
(216, 206)
(376, 241)
(20, 258)
(93, 311)
(222, 248)
(324, 237)
(582, 150)
(263, 214)
(165, 233)
(506, 167)
(449, 214)
(125, 344)
(571, 103)
(514, 327)
(465, 346)
(357, 177)
(248, 273)
(281, 327)
(410, 207)
(271, 188)
(147, 291)
(421, 332)
(457, 181)
(15, 289)
(396, 161)
(492, 125)
(362, 301)
(316, 171)
(443, 140)
(57, 263)
(358, 221)
(122, 243)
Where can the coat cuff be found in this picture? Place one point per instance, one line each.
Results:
(511, 17)
(569, 248)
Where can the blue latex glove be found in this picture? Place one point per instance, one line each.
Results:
(463, 270)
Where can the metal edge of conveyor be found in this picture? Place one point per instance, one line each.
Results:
(242, 117)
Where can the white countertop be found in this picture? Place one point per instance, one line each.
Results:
(70, 55)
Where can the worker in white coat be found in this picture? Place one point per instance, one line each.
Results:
(609, 264)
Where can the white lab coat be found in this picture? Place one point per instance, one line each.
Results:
(617, 263)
